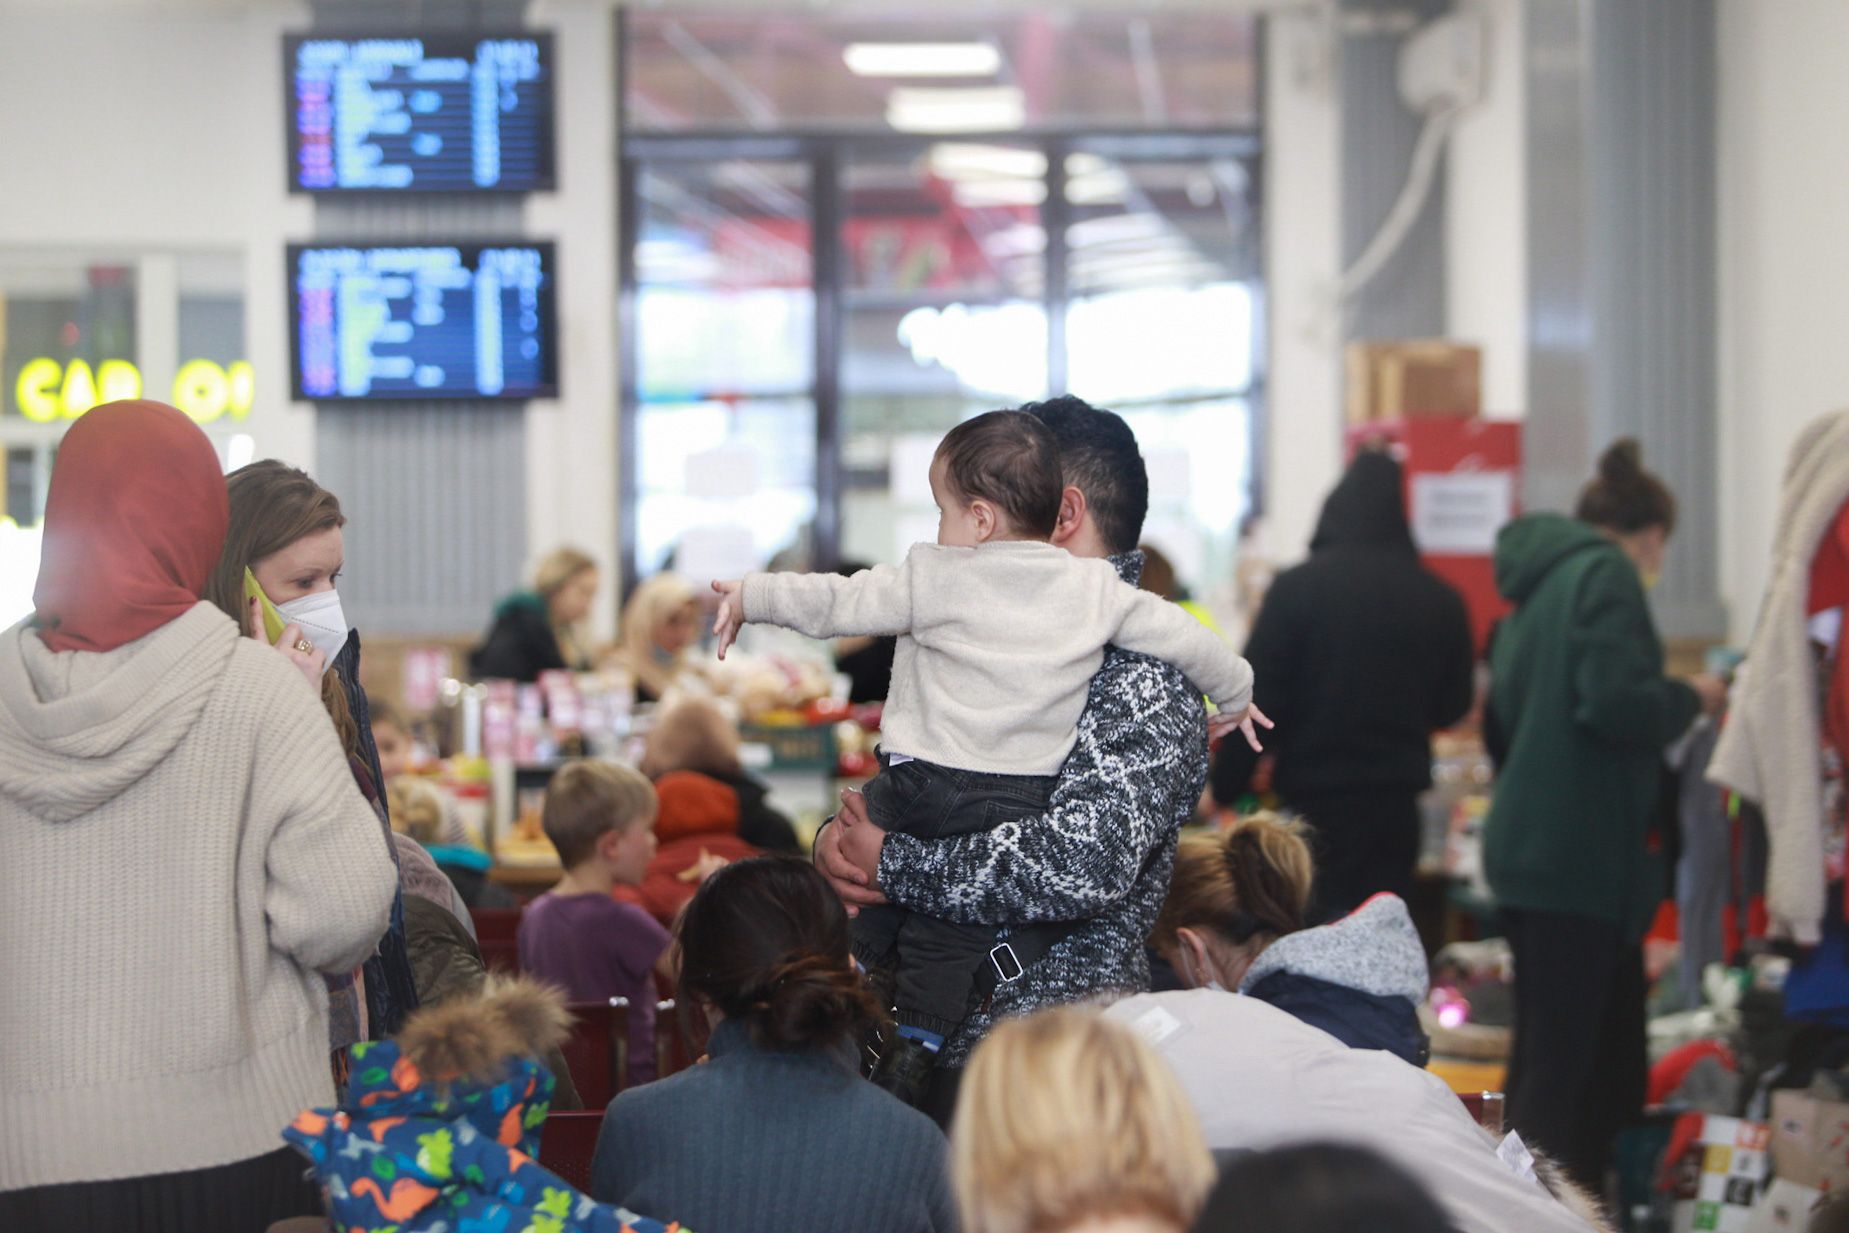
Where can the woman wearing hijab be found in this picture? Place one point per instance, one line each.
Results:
(1367, 654)
(284, 535)
(661, 620)
(157, 1030)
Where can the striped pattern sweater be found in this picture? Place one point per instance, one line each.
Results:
(1102, 854)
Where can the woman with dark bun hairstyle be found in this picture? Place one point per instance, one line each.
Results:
(1580, 712)
(777, 1129)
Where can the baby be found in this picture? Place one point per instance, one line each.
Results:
(1000, 633)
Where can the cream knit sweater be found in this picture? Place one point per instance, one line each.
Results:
(997, 646)
(182, 850)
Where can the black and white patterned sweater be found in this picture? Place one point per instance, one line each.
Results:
(1103, 853)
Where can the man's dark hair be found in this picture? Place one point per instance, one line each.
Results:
(1010, 460)
(1097, 452)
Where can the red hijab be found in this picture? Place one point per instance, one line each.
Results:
(133, 526)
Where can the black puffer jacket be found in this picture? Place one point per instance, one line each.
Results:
(1360, 654)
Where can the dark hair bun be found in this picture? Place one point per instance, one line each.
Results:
(1623, 463)
(1624, 497)
(807, 1003)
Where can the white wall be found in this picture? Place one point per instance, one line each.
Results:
(1302, 255)
(126, 132)
(1486, 221)
(1784, 288)
(571, 444)
(130, 132)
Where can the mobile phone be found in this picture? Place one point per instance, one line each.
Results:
(272, 620)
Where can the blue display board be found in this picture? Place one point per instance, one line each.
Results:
(420, 114)
(427, 321)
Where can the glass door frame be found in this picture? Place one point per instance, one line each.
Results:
(824, 153)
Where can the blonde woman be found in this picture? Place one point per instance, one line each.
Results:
(660, 621)
(535, 631)
(1069, 1123)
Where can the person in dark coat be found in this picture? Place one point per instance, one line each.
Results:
(1235, 919)
(534, 631)
(1579, 715)
(1363, 654)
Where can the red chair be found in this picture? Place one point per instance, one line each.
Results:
(1485, 1108)
(671, 1052)
(568, 1144)
(597, 1051)
(496, 923)
(501, 955)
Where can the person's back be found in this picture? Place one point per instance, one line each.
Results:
(160, 1025)
(1260, 1078)
(777, 1129)
(756, 1133)
(1364, 653)
(1578, 723)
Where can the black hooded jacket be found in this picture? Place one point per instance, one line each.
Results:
(1360, 654)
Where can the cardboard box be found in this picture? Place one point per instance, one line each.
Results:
(1414, 379)
(1786, 1208)
(1810, 1140)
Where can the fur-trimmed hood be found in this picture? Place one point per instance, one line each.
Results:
(439, 1128)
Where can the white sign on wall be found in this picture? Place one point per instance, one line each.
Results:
(1458, 514)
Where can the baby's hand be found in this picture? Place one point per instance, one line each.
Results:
(1247, 721)
(731, 613)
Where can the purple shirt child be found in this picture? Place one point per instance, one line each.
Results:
(595, 948)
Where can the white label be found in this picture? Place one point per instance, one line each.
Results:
(1459, 514)
(1156, 1025)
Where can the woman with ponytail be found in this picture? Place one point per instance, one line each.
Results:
(778, 1129)
(1579, 715)
(1292, 1036)
(1235, 920)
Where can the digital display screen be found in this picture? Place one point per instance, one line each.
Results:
(430, 321)
(423, 114)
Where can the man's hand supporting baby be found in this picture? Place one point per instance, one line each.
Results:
(847, 851)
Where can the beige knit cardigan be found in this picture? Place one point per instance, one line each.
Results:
(182, 851)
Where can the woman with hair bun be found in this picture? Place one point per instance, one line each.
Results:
(1235, 919)
(1579, 715)
(536, 630)
(778, 1129)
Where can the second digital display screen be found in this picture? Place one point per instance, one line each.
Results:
(428, 321)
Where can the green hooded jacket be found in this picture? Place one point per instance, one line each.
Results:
(1579, 715)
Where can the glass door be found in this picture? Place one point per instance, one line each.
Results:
(944, 279)
(720, 445)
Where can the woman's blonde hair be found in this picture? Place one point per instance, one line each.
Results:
(416, 807)
(1252, 882)
(692, 734)
(559, 567)
(1064, 1117)
(648, 609)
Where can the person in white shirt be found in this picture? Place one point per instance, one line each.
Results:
(1000, 634)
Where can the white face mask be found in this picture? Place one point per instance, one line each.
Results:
(321, 620)
(1189, 975)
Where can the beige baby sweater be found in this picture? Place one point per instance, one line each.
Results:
(997, 646)
(182, 850)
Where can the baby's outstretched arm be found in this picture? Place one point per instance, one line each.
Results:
(731, 613)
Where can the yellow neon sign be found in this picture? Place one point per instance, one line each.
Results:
(48, 391)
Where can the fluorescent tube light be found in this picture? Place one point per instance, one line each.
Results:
(922, 59)
(978, 110)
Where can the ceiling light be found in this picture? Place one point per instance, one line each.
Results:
(977, 110)
(972, 194)
(964, 160)
(922, 59)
